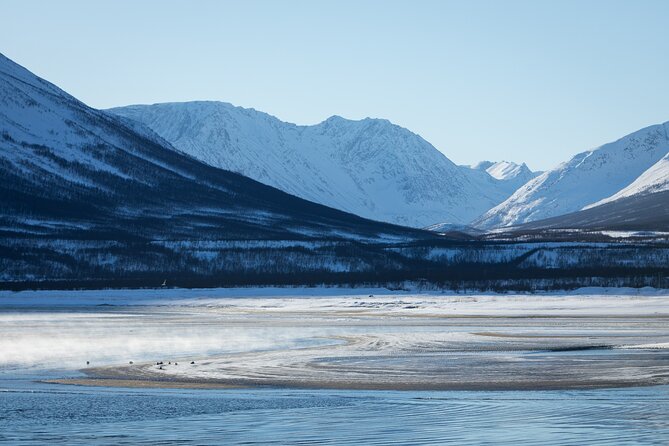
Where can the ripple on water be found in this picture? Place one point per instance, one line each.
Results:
(265, 416)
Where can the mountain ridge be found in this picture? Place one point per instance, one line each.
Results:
(653, 180)
(370, 167)
(92, 200)
(584, 180)
(81, 193)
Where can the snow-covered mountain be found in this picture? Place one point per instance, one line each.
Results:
(655, 179)
(85, 194)
(506, 170)
(90, 199)
(645, 212)
(510, 175)
(370, 167)
(586, 179)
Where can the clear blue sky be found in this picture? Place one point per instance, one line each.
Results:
(533, 81)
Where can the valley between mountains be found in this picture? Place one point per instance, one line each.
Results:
(209, 194)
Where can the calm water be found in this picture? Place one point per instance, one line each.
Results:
(33, 413)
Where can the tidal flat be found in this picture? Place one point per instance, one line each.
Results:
(283, 352)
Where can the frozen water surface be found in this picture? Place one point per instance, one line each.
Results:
(334, 366)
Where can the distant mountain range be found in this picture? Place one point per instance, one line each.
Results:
(381, 171)
(84, 193)
(510, 175)
(632, 166)
(90, 198)
(67, 166)
(371, 167)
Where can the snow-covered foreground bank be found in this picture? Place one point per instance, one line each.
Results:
(626, 301)
(342, 338)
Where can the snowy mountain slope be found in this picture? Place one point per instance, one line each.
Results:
(639, 212)
(69, 170)
(88, 199)
(371, 167)
(585, 179)
(505, 170)
(510, 175)
(655, 179)
(482, 165)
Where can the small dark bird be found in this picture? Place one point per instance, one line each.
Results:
(169, 362)
(131, 362)
(87, 362)
(160, 367)
(192, 362)
(176, 363)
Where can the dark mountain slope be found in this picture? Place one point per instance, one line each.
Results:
(644, 212)
(84, 195)
(65, 166)
(93, 200)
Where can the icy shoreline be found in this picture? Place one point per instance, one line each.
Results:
(181, 296)
(528, 357)
(342, 338)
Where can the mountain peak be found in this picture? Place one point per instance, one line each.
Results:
(504, 170)
(584, 180)
(337, 119)
(369, 167)
(482, 165)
